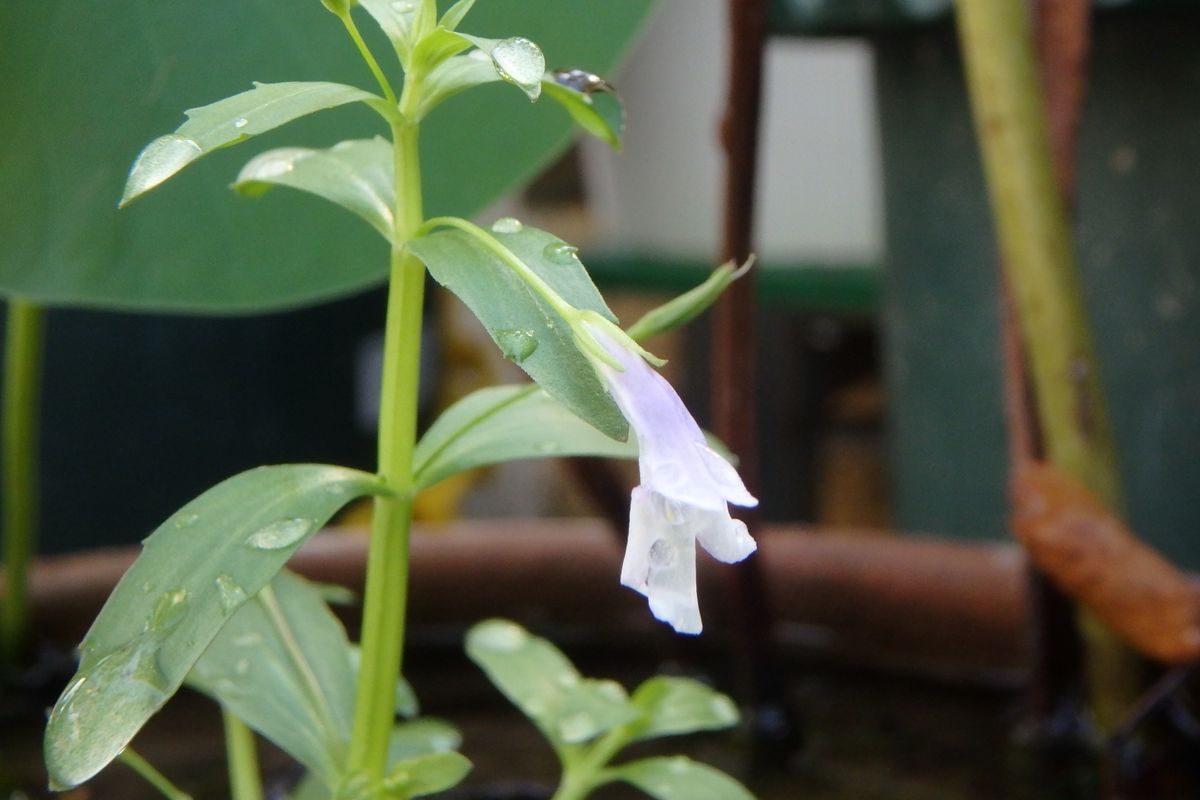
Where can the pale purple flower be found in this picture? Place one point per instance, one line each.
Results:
(684, 494)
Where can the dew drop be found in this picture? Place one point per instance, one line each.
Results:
(502, 636)
(168, 611)
(560, 252)
(517, 345)
(241, 122)
(547, 447)
(662, 554)
(247, 640)
(577, 727)
(611, 690)
(401, 7)
(186, 520)
(280, 534)
(232, 595)
(161, 159)
(520, 61)
(507, 225)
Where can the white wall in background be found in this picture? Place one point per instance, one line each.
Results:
(820, 193)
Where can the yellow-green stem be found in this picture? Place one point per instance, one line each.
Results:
(1039, 260)
(386, 591)
(152, 776)
(245, 780)
(22, 389)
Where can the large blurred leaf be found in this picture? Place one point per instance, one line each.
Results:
(195, 571)
(282, 665)
(680, 705)
(524, 326)
(502, 423)
(100, 79)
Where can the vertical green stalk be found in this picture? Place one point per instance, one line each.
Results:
(152, 776)
(245, 782)
(386, 592)
(1039, 260)
(22, 387)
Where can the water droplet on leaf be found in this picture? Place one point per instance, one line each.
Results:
(232, 595)
(520, 61)
(241, 122)
(662, 554)
(547, 447)
(577, 727)
(169, 611)
(507, 225)
(560, 252)
(186, 520)
(503, 636)
(280, 534)
(517, 345)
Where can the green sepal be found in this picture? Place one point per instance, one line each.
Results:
(687, 306)
(232, 120)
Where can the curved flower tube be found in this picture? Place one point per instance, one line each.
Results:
(684, 493)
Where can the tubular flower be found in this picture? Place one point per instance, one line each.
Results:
(684, 493)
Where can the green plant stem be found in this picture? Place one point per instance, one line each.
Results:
(584, 769)
(22, 389)
(1038, 257)
(386, 592)
(368, 57)
(245, 782)
(152, 776)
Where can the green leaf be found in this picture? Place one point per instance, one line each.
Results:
(545, 686)
(121, 73)
(195, 571)
(526, 329)
(232, 120)
(601, 115)
(680, 705)
(687, 306)
(423, 775)
(504, 423)
(282, 665)
(454, 14)
(514, 60)
(680, 778)
(356, 175)
(402, 21)
(437, 46)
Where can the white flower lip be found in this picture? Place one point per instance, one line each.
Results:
(684, 494)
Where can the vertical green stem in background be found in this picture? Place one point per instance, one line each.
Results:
(22, 387)
(245, 781)
(1039, 260)
(152, 776)
(386, 592)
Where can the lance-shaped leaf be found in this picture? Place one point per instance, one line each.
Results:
(504, 423)
(229, 121)
(454, 14)
(687, 306)
(542, 682)
(195, 571)
(282, 665)
(680, 778)
(527, 330)
(357, 175)
(516, 60)
(599, 113)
